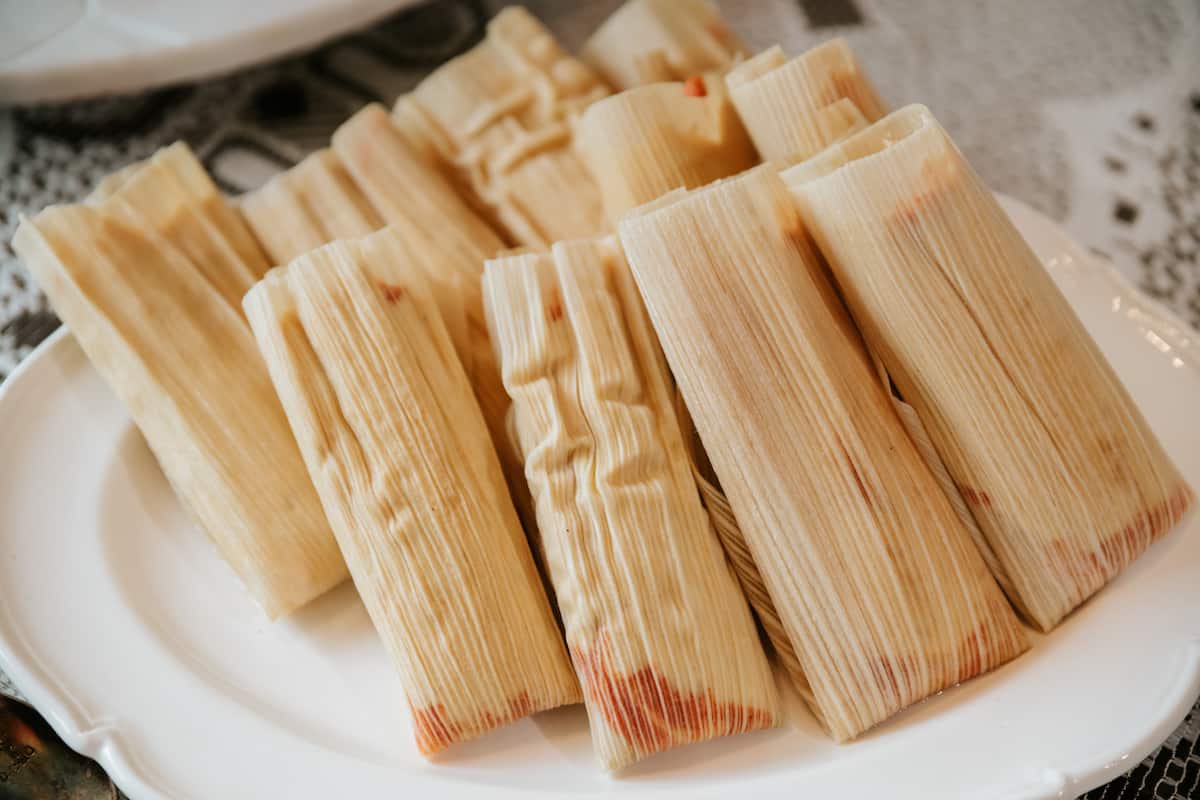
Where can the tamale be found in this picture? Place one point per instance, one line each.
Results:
(642, 143)
(660, 635)
(875, 579)
(1057, 464)
(648, 41)
(310, 204)
(454, 242)
(795, 109)
(396, 445)
(498, 119)
(163, 333)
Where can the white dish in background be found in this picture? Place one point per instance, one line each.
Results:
(125, 630)
(62, 49)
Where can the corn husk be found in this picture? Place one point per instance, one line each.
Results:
(795, 109)
(454, 242)
(874, 577)
(1066, 480)
(182, 360)
(310, 204)
(642, 143)
(171, 193)
(398, 450)
(662, 639)
(648, 41)
(408, 193)
(498, 120)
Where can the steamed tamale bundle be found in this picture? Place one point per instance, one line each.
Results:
(499, 119)
(649, 41)
(642, 143)
(450, 242)
(1066, 480)
(661, 637)
(310, 204)
(874, 577)
(147, 279)
(795, 109)
(396, 445)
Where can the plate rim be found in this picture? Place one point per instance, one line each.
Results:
(166, 65)
(103, 744)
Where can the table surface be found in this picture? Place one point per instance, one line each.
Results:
(1087, 109)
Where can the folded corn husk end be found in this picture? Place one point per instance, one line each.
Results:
(794, 109)
(644, 142)
(647, 41)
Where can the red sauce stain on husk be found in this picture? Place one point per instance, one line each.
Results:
(435, 730)
(650, 713)
(391, 292)
(554, 309)
(694, 87)
(1123, 545)
(976, 497)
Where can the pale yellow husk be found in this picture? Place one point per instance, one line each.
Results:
(795, 109)
(648, 41)
(166, 333)
(398, 449)
(875, 579)
(1066, 480)
(310, 204)
(498, 119)
(661, 637)
(642, 143)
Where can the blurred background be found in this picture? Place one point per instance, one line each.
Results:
(1088, 110)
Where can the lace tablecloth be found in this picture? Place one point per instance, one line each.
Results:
(1086, 109)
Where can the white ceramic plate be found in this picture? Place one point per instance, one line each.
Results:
(122, 626)
(61, 49)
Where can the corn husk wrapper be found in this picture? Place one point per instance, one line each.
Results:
(661, 637)
(795, 109)
(171, 193)
(874, 577)
(498, 119)
(408, 193)
(421, 206)
(397, 447)
(642, 143)
(162, 331)
(1066, 480)
(648, 41)
(310, 204)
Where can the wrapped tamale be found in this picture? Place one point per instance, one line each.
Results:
(310, 204)
(397, 447)
(642, 143)
(498, 119)
(648, 41)
(795, 109)
(165, 332)
(1064, 477)
(874, 577)
(422, 208)
(660, 635)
